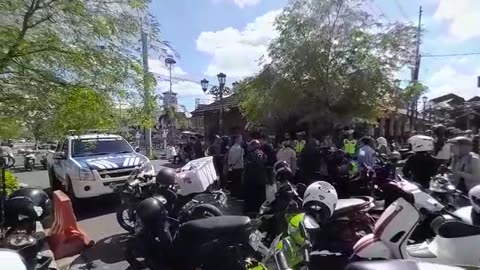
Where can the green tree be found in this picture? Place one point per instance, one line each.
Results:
(10, 128)
(83, 109)
(330, 62)
(50, 47)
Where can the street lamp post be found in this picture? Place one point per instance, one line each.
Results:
(424, 99)
(218, 92)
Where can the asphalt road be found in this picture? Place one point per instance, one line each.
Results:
(97, 219)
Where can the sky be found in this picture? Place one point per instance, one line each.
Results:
(230, 36)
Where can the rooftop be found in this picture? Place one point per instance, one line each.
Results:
(228, 102)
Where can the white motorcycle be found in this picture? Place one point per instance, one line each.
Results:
(29, 160)
(455, 243)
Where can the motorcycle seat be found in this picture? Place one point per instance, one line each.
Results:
(345, 206)
(456, 229)
(226, 228)
(397, 265)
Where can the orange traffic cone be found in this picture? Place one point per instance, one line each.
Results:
(66, 238)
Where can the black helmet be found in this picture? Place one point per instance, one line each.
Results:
(166, 176)
(284, 174)
(34, 196)
(280, 164)
(151, 210)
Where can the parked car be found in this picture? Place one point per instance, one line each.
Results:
(91, 165)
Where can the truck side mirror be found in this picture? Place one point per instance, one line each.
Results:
(59, 155)
(137, 149)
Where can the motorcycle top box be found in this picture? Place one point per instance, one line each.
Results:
(196, 176)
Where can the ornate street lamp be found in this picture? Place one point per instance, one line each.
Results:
(204, 84)
(221, 79)
(217, 91)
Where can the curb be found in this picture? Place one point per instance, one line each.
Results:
(46, 251)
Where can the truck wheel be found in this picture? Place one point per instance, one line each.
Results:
(71, 194)
(54, 183)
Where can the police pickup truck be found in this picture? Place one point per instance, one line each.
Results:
(90, 165)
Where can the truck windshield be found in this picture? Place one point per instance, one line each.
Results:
(99, 146)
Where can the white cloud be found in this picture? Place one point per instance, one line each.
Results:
(463, 17)
(239, 3)
(158, 67)
(244, 3)
(182, 88)
(236, 52)
(450, 80)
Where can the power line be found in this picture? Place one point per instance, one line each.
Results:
(450, 55)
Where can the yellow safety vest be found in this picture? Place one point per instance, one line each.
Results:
(299, 147)
(350, 146)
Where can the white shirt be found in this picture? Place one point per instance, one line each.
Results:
(445, 153)
(235, 157)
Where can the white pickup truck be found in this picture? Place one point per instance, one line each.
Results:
(88, 165)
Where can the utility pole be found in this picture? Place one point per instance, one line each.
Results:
(416, 70)
(146, 94)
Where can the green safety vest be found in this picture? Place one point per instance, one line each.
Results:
(350, 146)
(299, 147)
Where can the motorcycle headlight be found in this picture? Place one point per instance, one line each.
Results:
(86, 175)
(147, 168)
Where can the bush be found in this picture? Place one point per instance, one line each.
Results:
(11, 182)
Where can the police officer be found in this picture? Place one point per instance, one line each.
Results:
(465, 164)
(350, 144)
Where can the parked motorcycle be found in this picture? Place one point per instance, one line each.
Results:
(221, 242)
(403, 265)
(454, 243)
(29, 160)
(182, 208)
(442, 189)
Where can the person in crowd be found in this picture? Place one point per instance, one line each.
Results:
(465, 164)
(286, 153)
(476, 144)
(366, 152)
(235, 166)
(269, 151)
(215, 150)
(328, 143)
(198, 148)
(255, 176)
(442, 148)
(382, 146)
(311, 161)
(469, 133)
(421, 166)
(5, 150)
(173, 153)
(300, 145)
(350, 144)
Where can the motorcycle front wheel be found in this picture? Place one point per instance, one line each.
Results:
(126, 217)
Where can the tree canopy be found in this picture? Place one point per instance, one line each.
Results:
(49, 49)
(331, 61)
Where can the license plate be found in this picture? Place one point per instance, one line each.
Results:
(255, 239)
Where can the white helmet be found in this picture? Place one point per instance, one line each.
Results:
(474, 196)
(320, 200)
(421, 143)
